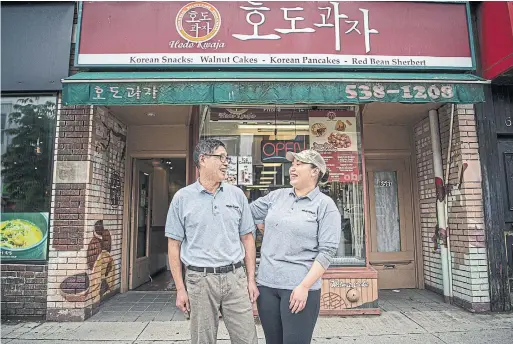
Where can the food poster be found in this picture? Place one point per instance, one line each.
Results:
(231, 172)
(245, 166)
(334, 134)
(24, 236)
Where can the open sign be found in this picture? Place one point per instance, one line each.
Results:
(275, 150)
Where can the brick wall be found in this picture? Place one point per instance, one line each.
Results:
(427, 202)
(87, 204)
(67, 255)
(105, 206)
(466, 219)
(24, 291)
(466, 214)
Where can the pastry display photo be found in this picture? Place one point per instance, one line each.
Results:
(339, 140)
(319, 129)
(340, 126)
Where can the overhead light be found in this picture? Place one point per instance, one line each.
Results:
(272, 126)
(257, 186)
(272, 164)
(150, 114)
(265, 183)
(266, 178)
(269, 172)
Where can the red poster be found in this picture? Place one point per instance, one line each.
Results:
(335, 135)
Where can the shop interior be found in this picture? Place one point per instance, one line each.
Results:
(159, 180)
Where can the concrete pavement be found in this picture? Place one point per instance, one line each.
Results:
(408, 317)
(424, 327)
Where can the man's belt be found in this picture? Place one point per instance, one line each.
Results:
(217, 270)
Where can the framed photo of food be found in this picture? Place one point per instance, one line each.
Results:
(23, 236)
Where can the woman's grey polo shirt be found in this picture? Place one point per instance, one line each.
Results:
(209, 225)
(298, 231)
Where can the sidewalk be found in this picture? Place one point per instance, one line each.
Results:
(408, 317)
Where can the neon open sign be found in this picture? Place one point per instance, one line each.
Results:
(275, 150)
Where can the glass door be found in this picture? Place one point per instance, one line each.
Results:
(141, 223)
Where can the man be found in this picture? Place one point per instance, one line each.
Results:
(210, 229)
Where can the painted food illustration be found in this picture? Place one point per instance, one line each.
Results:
(339, 140)
(332, 301)
(318, 129)
(100, 277)
(340, 126)
(19, 234)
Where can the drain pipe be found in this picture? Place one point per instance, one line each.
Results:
(440, 200)
(447, 170)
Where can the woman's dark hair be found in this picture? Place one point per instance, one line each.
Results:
(323, 178)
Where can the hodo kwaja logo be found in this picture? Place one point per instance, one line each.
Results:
(198, 22)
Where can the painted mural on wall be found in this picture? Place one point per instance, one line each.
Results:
(111, 141)
(99, 279)
(105, 209)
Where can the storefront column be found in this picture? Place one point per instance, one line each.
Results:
(465, 208)
(87, 210)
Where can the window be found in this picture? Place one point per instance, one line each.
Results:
(257, 139)
(27, 135)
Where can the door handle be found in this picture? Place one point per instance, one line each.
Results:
(389, 266)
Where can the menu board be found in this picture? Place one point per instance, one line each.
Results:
(245, 174)
(334, 134)
(231, 172)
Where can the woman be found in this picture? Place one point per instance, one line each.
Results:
(302, 233)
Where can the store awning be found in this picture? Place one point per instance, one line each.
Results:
(188, 88)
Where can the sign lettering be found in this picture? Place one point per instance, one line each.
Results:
(342, 284)
(353, 93)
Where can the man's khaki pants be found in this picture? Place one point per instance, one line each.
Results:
(227, 292)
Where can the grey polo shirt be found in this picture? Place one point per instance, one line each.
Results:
(209, 225)
(298, 231)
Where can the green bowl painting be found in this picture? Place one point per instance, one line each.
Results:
(34, 251)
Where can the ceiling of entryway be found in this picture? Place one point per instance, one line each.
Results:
(162, 114)
(373, 113)
(396, 113)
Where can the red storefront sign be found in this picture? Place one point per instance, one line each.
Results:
(395, 35)
(496, 37)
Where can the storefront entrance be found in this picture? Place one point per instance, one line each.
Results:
(256, 139)
(372, 150)
(391, 229)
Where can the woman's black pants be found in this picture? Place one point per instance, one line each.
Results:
(279, 324)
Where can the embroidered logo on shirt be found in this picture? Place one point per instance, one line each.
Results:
(233, 206)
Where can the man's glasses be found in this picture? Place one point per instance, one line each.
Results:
(221, 157)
